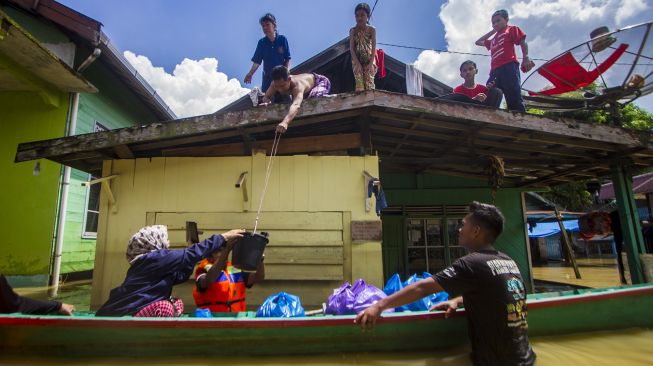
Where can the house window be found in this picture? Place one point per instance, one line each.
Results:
(432, 244)
(92, 200)
(92, 211)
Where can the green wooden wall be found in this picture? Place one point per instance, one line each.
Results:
(114, 106)
(419, 190)
(29, 221)
(28, 202)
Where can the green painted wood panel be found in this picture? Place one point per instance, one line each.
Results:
(29, 202)
(393, 245)
(113, 107)
(401, 189)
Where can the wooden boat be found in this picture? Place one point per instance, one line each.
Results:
(243, 334)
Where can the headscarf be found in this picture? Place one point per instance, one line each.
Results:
(146, 240)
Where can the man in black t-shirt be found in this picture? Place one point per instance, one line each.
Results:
(489, 284)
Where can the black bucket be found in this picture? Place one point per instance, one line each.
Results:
(248, 252)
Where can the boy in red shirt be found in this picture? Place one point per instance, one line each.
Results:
(470, 92)
(504, 71)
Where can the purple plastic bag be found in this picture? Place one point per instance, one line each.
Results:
(352, 299)
(366, 296)
(341, 300)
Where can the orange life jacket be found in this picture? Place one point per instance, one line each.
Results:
(226, 294)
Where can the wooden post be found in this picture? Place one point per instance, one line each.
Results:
(192, 234)
(632, 232)
(444, 231)
(567, 244)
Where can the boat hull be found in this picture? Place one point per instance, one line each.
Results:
(89, 336)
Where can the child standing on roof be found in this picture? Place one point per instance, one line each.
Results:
(504, 72)
(362, 46)
(271, 50)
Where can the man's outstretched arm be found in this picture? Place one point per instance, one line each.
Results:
(297, 99)
(409, 294)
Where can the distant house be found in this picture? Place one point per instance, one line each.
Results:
(111, 95)
(431, 158)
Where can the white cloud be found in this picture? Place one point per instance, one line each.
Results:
(629, 8)
(195, 87)
(552, 26)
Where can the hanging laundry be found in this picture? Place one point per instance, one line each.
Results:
(413, 81)
(380, 63)
(374, 187)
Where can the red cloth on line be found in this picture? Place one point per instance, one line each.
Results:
(380, 63)
(479, 88)
(566, 74)
(502, 46)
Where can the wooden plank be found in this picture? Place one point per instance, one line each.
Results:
(366, 136)
(123, 152)
(518, 134)
(347, 243)
(521, 121)
(304, 255)
(411, 132)
(573, 170)
(289, 237)
(327, 272)
(289, 146)
(194, 126)
(102, 245)
(220, 134)
(510, 145)
(211, 221)
(530, 127)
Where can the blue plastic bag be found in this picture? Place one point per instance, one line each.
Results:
(352, 299)
(203, 313)
(437, 297)
(394, 284)
(422, 304)
(281, 305)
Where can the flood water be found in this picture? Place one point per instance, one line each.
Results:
(631, 347)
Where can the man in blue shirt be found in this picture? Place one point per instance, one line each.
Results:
(271, 50)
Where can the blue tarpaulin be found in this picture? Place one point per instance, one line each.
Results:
(544, 229)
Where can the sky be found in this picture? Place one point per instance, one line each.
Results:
(196, 53)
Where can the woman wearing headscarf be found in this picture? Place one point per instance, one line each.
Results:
(154, 270)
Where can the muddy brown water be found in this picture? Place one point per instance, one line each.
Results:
(630, 347)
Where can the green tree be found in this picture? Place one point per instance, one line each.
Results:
(574, 196)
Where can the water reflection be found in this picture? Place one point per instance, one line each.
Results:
(632, 347)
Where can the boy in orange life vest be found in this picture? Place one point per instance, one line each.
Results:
(221, 287)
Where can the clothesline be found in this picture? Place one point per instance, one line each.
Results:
(480, 54)
(444, 51)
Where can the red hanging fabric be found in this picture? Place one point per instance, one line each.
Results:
(380, 62)
(566, 74)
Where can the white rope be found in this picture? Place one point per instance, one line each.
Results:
(275, 145)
